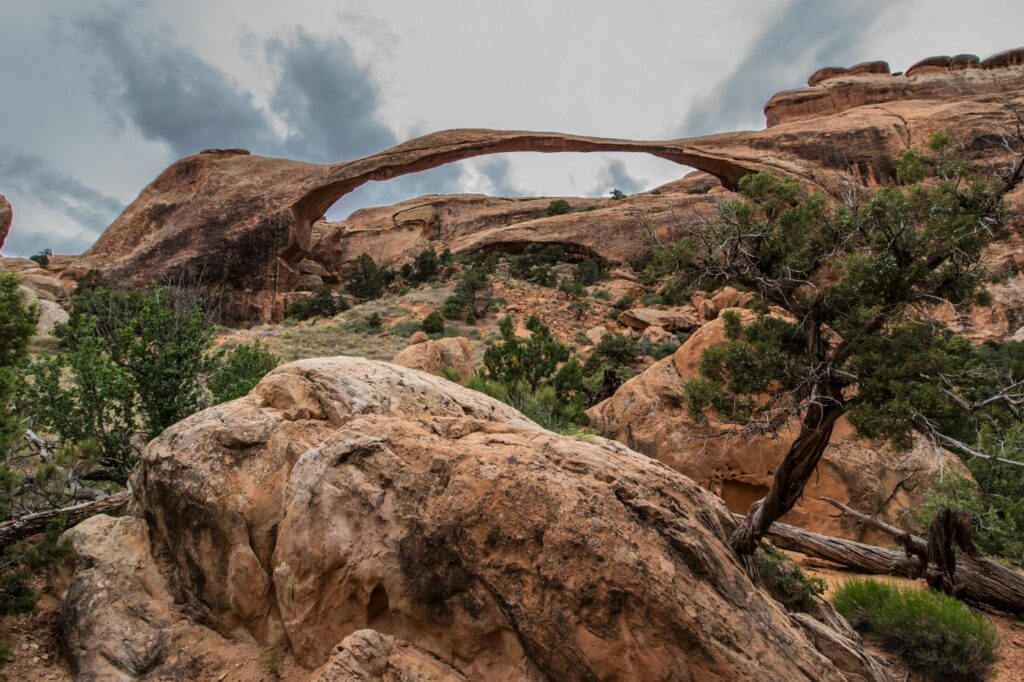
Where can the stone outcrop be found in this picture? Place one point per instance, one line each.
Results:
(648, 414)
(434, 356)
(6, 217)
(673, 319)
(240, 225)
(378, 520)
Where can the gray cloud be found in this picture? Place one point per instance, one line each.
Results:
(169, 94)
(498, 170)
(615, 176)
(27, 178)
(805, 36)
(326, 98)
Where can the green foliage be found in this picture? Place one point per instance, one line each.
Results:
(473, 295)
(659, 350)
(42, 257)
(534, 264)
(996, 508)
(524, 362)
(559, 207)
(601, 294)
(374, 321)
(426, 267)
(323, 303)
(784, 580)
(433, 323)
(82, 395)
(240, 369)
(621, 306)
(406, 328)
(571, 287)
(591, 271)
(936, 634)
(615, 351)
(364, 279)
(617, 194)
(17, 325)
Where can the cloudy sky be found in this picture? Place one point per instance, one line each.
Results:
(96, 98)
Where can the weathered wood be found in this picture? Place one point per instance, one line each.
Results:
(977, 579)
(24, 526)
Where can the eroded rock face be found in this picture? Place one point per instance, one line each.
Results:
(648, 414)
(344, 494)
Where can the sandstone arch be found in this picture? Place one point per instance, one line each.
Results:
(238, 224)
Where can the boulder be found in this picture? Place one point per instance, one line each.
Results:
(657, 335)
(380, 520)
(454, 353)
(6, 216)
(369, 656)
(418, 337)
(618, 288)
(595, 334)
(648, 414)
(50, 313)
(673, 319)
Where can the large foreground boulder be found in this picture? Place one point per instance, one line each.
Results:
(648, 413)
(382, 523)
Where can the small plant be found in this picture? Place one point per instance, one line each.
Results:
(42, 258)
(651, 300)
(374, 321)
(559, 207)
(784, 580)
(616, 351)
(601, 294)
(473, 295)
(323, 303)
(433, 323)
(934, 633)
(617, 194)
(621, 306)
(272, 662)
(406, 328)
(425, 268)
(591, 270)
(240, 370)
(571, 287)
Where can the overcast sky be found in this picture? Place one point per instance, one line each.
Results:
(96, 98)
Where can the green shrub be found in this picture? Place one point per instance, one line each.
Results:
(473, 295)
(601, 294)
(784, 580)
(659, 350)
(591, 271)
(364, 279)
(621, 306)
(617, 351)
(425, 267)
(559, 207)
(433, 323)
(42, 258)
(534, 264)
(617, 194)
(406, 328)
(934, 633)
(652, 300)
(374, 321)
(571, 287)
(240, 369)
(323, 303)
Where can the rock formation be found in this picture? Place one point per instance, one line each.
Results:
(375, 519)
(6, 216)
(435, 356)
(648, 414)
(239, 225)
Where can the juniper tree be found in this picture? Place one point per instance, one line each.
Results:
(847, 324)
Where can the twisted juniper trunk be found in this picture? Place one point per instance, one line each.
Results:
(792, 475)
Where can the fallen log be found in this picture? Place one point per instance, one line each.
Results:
(22, 527)
(979, 580)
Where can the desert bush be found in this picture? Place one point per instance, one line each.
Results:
(534, 264)
(323, 303)
(934, 633)
(425, 267)
(239, 370)
(364, 279)
(406, 328)
(559, 207)
(615, 351)
(42, 257)
(473, 295)
(433, 323)
(591, 270)
(621, 306)
(784, 580)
